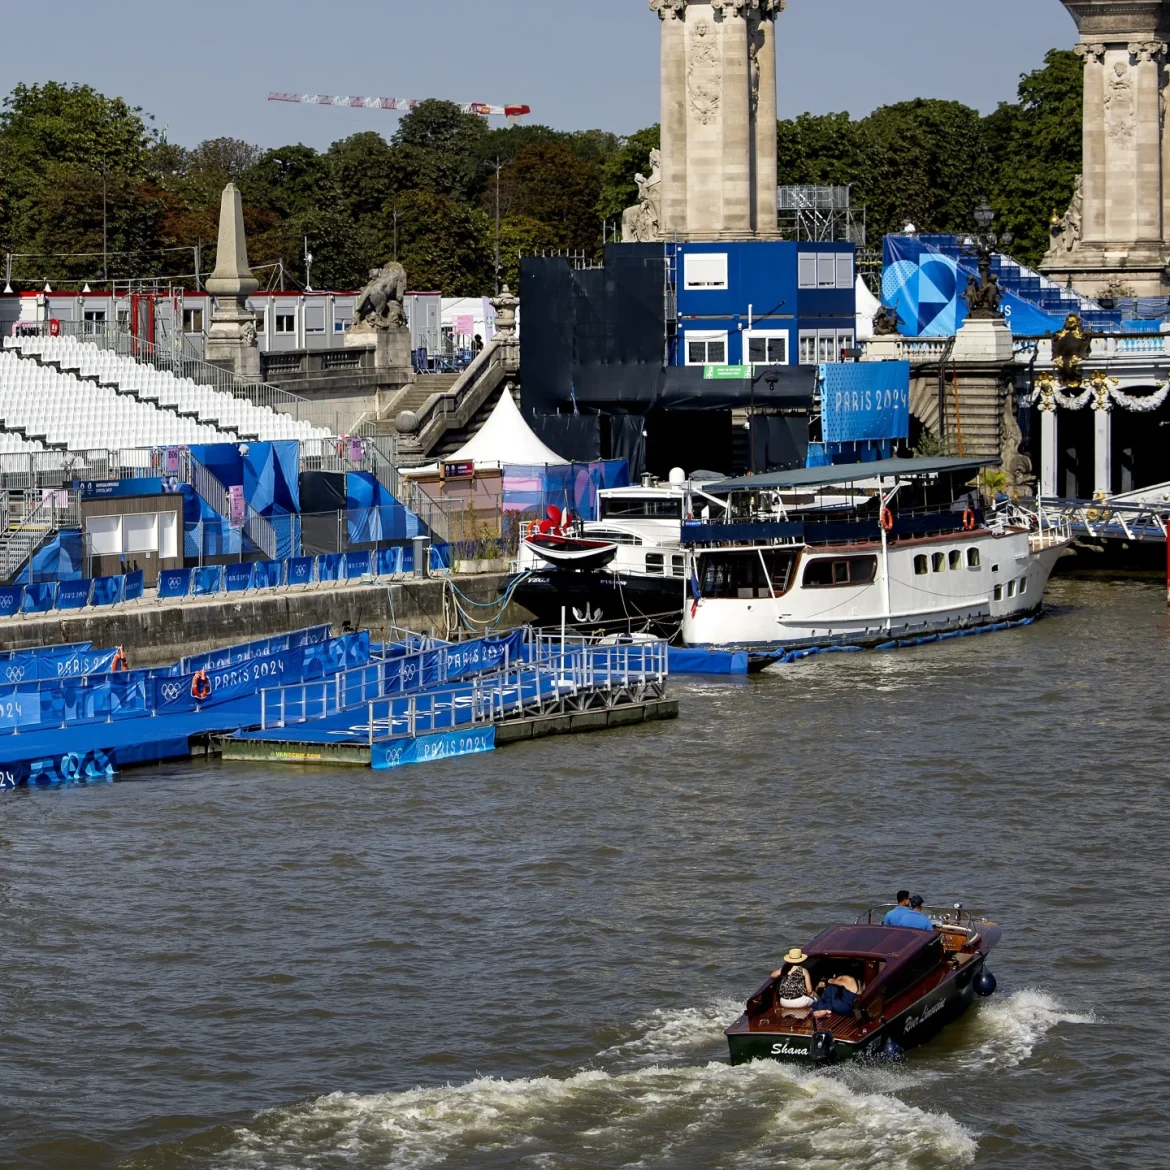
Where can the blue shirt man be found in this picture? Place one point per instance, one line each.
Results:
(908, 913)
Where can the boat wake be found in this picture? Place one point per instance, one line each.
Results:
(655, 1102)
(710, 1115)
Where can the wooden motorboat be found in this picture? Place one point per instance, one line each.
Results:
(913, 983)
(572, 552)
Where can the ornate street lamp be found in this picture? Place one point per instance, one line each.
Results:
(983, 296)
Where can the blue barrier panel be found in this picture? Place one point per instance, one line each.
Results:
(74, 594)
(238, 577)
(39, 598)
(357, 564)
(328, 566)
(10, 600)
(73, 663)
(442, 746)
(107, 590)
(135, 585)
(267, 574)
(62, 648)
(299, 571)
(174, 583)
(388, 561)
(208, 579)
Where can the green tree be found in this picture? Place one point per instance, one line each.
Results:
(1037, 144)
(442, 244)
(632, 157)
(436, 148)
(551, 184)
(61, 148)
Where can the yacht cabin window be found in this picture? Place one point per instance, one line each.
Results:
(921, 566)
(826, 572)
(999, 593)
(1011, 589)
(641, 508)
(746, 574)
(654, 564)
(956, 559)
(678, 566)
(1023, 584)
(972, 558)
(938, 562)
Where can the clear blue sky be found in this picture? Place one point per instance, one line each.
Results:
(204, 69)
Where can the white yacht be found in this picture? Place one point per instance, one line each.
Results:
(902, 550)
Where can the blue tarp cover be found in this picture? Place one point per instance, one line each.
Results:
(329, 566)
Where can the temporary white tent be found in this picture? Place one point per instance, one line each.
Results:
(867, 307)
(504, 439)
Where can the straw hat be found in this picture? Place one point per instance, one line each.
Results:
(796, 955)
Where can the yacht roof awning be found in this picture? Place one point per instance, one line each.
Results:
(840, 473)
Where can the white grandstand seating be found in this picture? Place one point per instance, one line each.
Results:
(63, 410)
(219, 416)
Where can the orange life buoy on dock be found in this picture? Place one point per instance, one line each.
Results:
(534, 528)
(968, 521)
(200, 685)
(119, 662)
(887, 520)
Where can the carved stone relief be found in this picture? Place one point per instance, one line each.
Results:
(704, 72)
(1120, 103)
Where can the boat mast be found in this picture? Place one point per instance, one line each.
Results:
(885, 549)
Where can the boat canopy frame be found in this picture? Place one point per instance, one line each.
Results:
(848, 473)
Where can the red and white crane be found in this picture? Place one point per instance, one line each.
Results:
(484, 109)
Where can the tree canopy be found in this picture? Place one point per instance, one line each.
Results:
(75, 163)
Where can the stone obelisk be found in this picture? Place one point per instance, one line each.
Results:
(718, 167)
(1116, 234)
(231, 340)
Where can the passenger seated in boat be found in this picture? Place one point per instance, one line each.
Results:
(908, 913)
(795, 989)
(837, 997)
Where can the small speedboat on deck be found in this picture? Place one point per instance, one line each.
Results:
(565, 551)
(912, 983)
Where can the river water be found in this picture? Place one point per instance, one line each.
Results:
(526, 959)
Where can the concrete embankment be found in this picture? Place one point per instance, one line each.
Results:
(153, 634)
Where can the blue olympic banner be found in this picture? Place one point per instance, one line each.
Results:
(104, 489)
(28, 668)
(482, 655)
(445, 745)
(10, 599)
(69, 768)
(865, 400)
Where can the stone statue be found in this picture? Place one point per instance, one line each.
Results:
(886, 322)
(641, 224)
(380, 304)
(1066, 229)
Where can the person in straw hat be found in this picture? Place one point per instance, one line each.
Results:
(795, 989)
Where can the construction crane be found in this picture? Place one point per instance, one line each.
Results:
(511, 112)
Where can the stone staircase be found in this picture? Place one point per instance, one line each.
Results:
(451, 414)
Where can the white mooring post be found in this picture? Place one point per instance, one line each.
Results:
(1048, 452)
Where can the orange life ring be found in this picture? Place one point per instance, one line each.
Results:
(887, 520)
(119, 662)
(534, 528)
(200, 685)
(968, 521)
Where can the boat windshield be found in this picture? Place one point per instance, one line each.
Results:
(641, 508)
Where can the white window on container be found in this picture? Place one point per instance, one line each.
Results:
(827, 347)
(827, 270)
(706, 349)
(341, 324)
(261, 317)
(808, 349)
(140, 532)
(705, 270)
(844, 270)
(806, 270)
(105, 536)
(192, 320)
(769, 348)
(314, 318)
(286, 323)
(168, 534)
(844, 339)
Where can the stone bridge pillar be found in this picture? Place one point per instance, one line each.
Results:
(718, 166)
(1116, 234)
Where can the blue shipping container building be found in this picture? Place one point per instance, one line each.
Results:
(763, 302)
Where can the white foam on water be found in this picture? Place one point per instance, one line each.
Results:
(711, 1115)
(1007, 1030)
(673, 1034)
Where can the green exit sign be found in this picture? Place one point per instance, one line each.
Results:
(726, 373)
